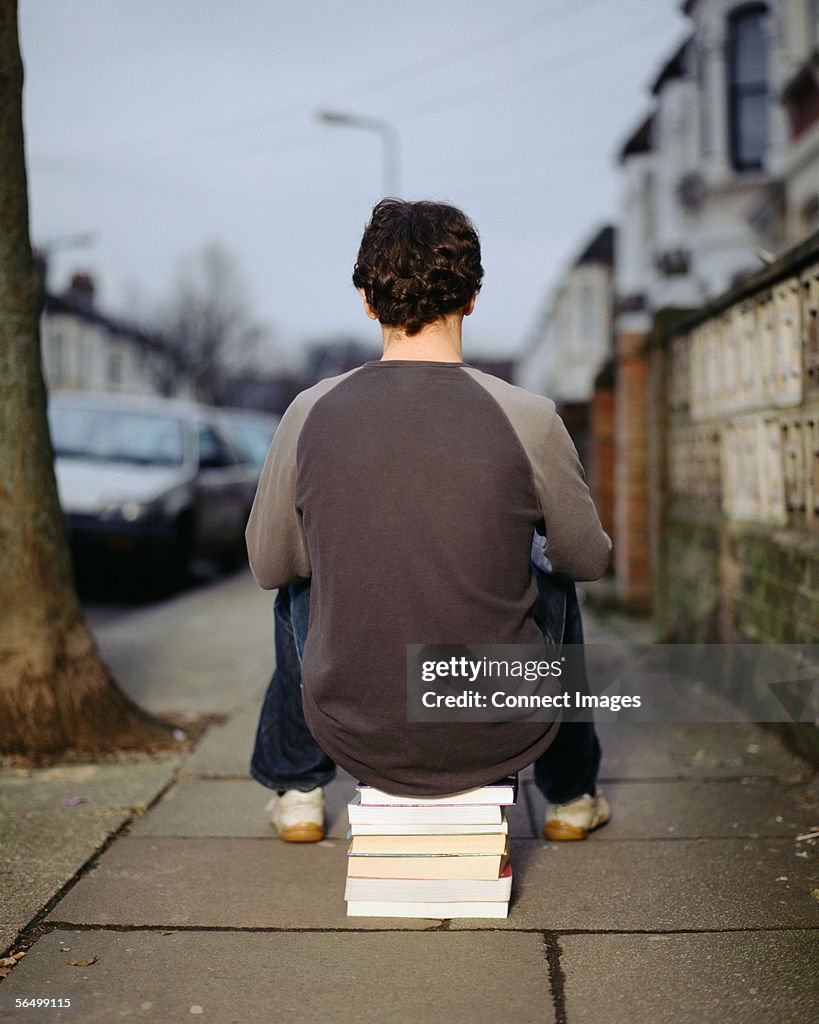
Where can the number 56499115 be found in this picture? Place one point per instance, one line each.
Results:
(34, 1003)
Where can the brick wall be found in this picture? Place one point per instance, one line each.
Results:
(632, 551)
(601, 453)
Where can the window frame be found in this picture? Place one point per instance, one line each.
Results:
(738, 92)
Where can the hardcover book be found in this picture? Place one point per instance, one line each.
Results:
(436, 857)
(451, 845)
(429, 813)
(467, 866)
(430, 890)
(441, 910)
(383, 828)
(504, 792)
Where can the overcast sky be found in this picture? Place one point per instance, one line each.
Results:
(161, 124)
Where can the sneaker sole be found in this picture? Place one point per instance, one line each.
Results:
(307, 832)
(562, 832)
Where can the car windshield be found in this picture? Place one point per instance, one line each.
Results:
(254, 437)
(109, 435)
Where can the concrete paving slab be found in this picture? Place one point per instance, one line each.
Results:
(764, 977)
(212, 807)
(323, 978)
(133, 783)
(337, 795)
(44, 841)
(754, 807)
(660, 885)
(235, 807)
(39, 853)
(203, 651)
(230, 807)
(660, 750)
(606, 623)
(217, 883)
(226, 749)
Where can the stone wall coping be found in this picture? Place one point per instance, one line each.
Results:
(682, 322)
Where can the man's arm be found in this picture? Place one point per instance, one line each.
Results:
(576, 543)
(276, 544)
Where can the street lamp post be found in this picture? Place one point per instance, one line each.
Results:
(389, 140)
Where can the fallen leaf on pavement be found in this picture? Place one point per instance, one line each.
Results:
(83, 963)
(9, 962)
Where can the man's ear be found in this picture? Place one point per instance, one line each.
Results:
(470, 305)
(367, 307)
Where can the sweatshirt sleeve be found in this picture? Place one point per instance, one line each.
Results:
(276, 545)
(576, 543)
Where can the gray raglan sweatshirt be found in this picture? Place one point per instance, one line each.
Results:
(409, 492)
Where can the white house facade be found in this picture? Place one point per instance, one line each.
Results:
(572, 339)
(717, 180)
(84, 350)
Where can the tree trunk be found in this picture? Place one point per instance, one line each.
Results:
(55, 691)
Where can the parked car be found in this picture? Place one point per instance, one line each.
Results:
(149, 480)
(252, 431)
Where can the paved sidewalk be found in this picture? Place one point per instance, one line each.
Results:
(696, 903)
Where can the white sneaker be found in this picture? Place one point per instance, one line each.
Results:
(577, 818)
(298, 817)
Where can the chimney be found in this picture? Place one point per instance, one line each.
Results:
(81, 292)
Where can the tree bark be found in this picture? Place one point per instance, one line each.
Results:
(55, 691)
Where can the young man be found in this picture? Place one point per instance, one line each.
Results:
(407, 492)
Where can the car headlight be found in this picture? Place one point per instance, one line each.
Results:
(129, 511)
(133, 511)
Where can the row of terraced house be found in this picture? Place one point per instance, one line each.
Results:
(85, 349)
(683, 343)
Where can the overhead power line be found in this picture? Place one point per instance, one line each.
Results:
(471, 49)
(395, 77)
(257, 142)
(541, 70)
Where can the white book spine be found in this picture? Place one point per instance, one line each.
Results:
(367, 828)
(438, 910)
(500, 795)
(426, 890)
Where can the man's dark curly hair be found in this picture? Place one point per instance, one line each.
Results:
(417, 262)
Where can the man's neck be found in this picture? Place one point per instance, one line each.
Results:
(439, 342)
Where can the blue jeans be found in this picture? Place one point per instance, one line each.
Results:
(286, 756)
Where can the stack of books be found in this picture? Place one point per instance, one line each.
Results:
(436, 857)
